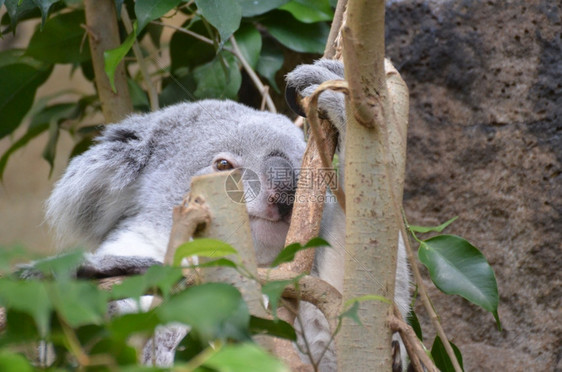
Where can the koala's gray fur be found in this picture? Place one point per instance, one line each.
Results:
(119, 195)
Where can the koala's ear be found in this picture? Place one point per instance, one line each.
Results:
(95, 191)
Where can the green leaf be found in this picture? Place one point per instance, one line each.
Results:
(61, 41)
(426, 229)
(274, 289)
(120, 352)
(288, 253)
(270, 62)
(162, 277)
(441, 358)
(124, 326)
(310, 11)
(297, 36)
(113, 57)
(224, 15)
(30, 297)
(457, 267)
(9, 254)
(213, 310)
(31, 133)
(223, 262)
(352, 314)
(215, 80)
(186, 51)
(414, 322)
(252, 8)
(203, 247)
(138, 96)
(50, 149)
(249, 41)
(78, 302)
(19, 10)
(275, 328)
(44, 6)
(244, 358)
(12, 362)
(22, 81)
(149, 10)
(177, 89)
(60, 267)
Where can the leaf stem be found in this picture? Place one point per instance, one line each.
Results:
(264, 91)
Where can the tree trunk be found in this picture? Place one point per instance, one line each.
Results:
(371, 174)
(103, 34)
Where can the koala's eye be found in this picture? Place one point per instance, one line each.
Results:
(223, 165)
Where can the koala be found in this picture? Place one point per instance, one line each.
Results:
(118, 196)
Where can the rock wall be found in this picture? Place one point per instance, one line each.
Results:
(485, 143)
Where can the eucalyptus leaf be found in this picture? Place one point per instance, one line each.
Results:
(19, 83)
(289, 252)
(44, 6)
(113, 57)
(270, 62)
(62, 40)
(426, 229)
(187, 51)
(124, 326)
(213, 310)
(249, 41)
(28, 136)
(297, 36)
(224, 15)
(50, 149)
(30, 297)
(246, 357)
(252, 8)
(203, 247)
(414, 322)
(19, 10)
(441, 358)
(457, 267)
(275, 328)
(149, 10)
(310, 11)
(12, 362)
(60, 267)
(274, 289)
(215, 80)
(79, 302)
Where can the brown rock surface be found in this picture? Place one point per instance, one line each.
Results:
(485, 143)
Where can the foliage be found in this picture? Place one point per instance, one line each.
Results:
(70, 315)
(264, 30)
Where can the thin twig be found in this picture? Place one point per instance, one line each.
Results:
(151, 89)
(425, 298)
(412, 343)
(252, 74)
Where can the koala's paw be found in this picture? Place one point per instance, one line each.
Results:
(304, 80)
(97, 267)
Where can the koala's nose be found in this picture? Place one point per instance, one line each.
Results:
(285, 202)
(281, 185)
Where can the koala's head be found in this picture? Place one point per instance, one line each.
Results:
(142, 167)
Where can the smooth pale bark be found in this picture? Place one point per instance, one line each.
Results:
(103, 35)
(224, 210)
(374, 167)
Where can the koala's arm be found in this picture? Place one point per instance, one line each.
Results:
(98, 266)
(305, 79)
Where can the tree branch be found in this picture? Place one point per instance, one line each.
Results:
(103, 34)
